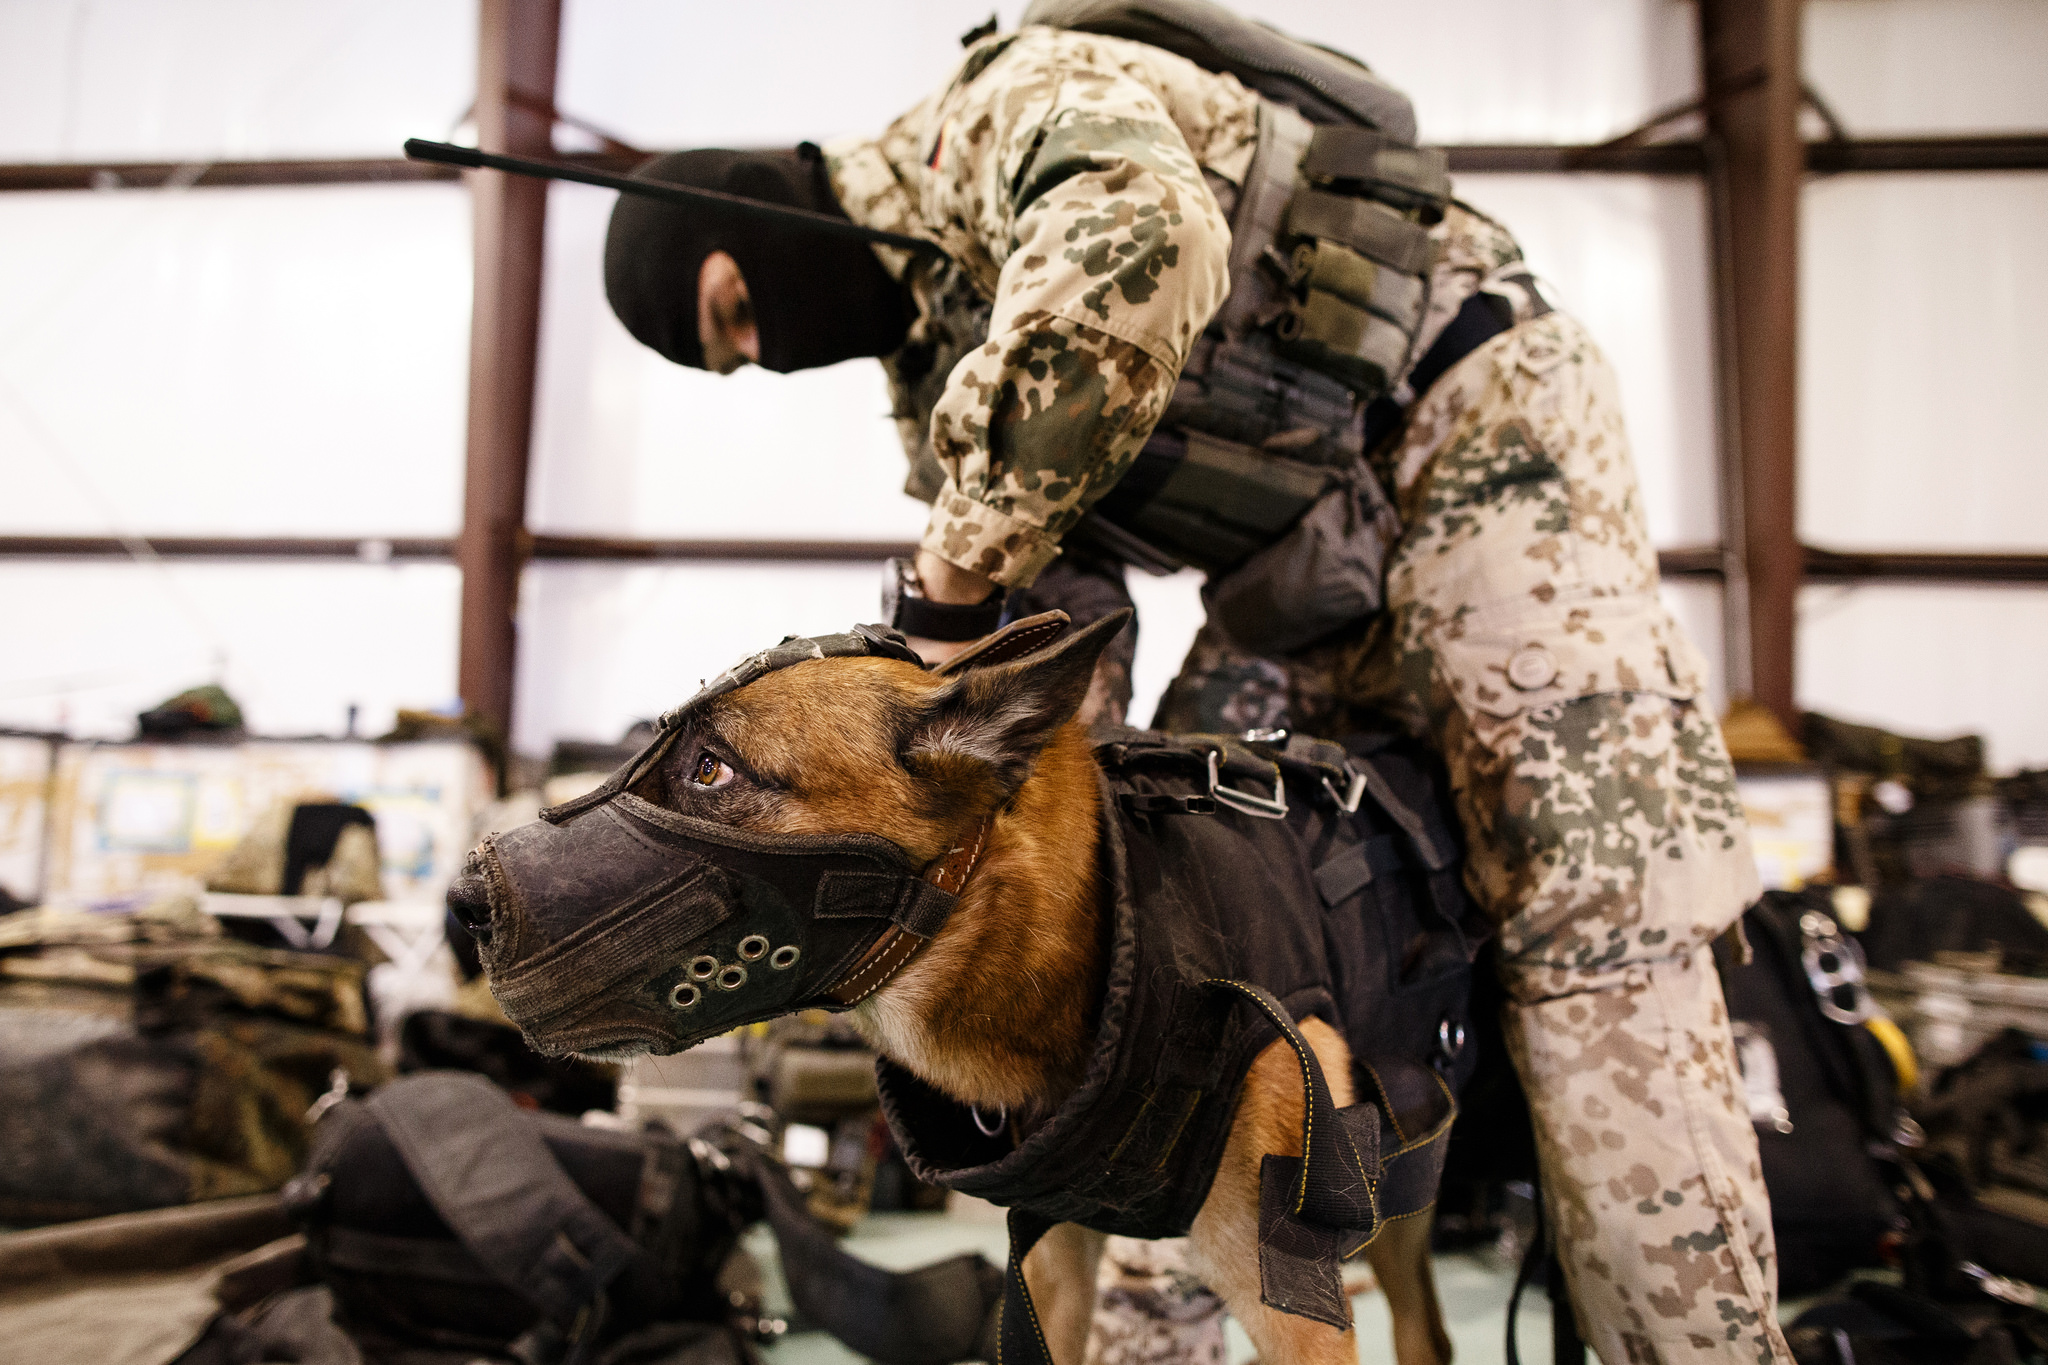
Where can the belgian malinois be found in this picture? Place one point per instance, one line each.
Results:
(982, 772)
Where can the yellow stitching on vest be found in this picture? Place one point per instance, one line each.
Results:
(1308, 1094)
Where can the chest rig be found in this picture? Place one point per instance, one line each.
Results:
(1254, 885)
(1255, 473)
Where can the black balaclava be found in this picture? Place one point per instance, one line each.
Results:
(817, 299)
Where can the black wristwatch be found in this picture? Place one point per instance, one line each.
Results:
(905, 607)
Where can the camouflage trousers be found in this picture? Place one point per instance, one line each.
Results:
(1523, 635)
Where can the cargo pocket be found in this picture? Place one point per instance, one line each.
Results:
(1604, 825)
(1513, 659)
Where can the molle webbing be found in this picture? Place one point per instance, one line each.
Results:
(1329, 277)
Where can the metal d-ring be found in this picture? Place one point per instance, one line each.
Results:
(732, 978)
(1251, 803)
(783, 958)
(753, 947)
(991, 1129)
(1348, 802)
(702, 967)
(685, 996)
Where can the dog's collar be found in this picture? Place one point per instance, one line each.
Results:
(896, 948)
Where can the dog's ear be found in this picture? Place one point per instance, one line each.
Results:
(986, 726)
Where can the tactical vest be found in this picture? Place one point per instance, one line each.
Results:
(1255, 473)
(1253, 886)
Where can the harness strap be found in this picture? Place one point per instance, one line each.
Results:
(1353, 1177)
(903, 939)
(494, 1182)
(935, 1314)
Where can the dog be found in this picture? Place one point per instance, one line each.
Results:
(812, 766)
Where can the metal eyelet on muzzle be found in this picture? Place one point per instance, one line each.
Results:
(732, 978)
(702, 968)
(685, 996)
(783, 958)
(753, 947)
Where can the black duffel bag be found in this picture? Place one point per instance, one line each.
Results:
(447, 1223)
(1822, 1091)
(443, 1217)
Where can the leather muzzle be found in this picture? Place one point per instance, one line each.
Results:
(628, 923)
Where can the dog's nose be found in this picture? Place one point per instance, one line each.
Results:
(469, 900)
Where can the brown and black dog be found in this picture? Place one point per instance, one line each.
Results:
(999, 1008)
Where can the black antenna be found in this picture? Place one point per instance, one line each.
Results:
(735, 205)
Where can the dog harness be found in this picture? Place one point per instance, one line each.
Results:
(1256, 882)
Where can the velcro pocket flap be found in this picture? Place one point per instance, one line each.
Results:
(1518, 656)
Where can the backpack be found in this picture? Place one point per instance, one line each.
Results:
(1822, 1089)
(446, 1223)
(1320, 83)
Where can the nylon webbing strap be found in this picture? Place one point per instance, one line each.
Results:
(1020, 1337)
(1373, 230)
(1339, 1154)
(928, 1316)
(1419, 175)
(494, 1182)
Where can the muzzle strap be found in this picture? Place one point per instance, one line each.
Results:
(923, 913)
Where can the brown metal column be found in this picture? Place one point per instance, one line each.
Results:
(1749, 58)
(516, 47)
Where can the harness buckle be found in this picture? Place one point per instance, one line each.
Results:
(1834, 968)
(1348, 802)
(1250, 803)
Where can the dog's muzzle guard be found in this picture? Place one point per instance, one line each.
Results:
(612, 921)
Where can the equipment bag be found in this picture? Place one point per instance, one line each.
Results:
(1822, 1088)
(442, 1217)
(147, 1061)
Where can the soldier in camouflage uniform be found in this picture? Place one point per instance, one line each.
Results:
(1080, 187)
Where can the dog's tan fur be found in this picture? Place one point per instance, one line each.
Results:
(999, 1009)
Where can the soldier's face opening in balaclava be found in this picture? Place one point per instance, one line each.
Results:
(815, 300)
(725, 315)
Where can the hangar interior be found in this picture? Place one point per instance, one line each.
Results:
(356, 441)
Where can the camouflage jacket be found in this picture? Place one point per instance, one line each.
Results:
(1081, 187)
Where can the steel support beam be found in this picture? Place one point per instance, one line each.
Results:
(1749, 59)
(516, 45)
(2005, 152)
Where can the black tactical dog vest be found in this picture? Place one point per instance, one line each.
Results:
(1246, 897)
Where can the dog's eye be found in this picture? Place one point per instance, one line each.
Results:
(709, 771)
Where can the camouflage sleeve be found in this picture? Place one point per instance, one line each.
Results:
(1110, 254)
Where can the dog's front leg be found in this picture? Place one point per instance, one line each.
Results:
(1225, 1235)
(1060, 1273)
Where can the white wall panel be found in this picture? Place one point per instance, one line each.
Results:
(1485, 71)
(288, 361)
(697, 74)
(1628, 256)
(627, 444)
(1932, 661)
(1921, 361)
(603, 646)
(162, 80)
(90, 644)
(1924, 67)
